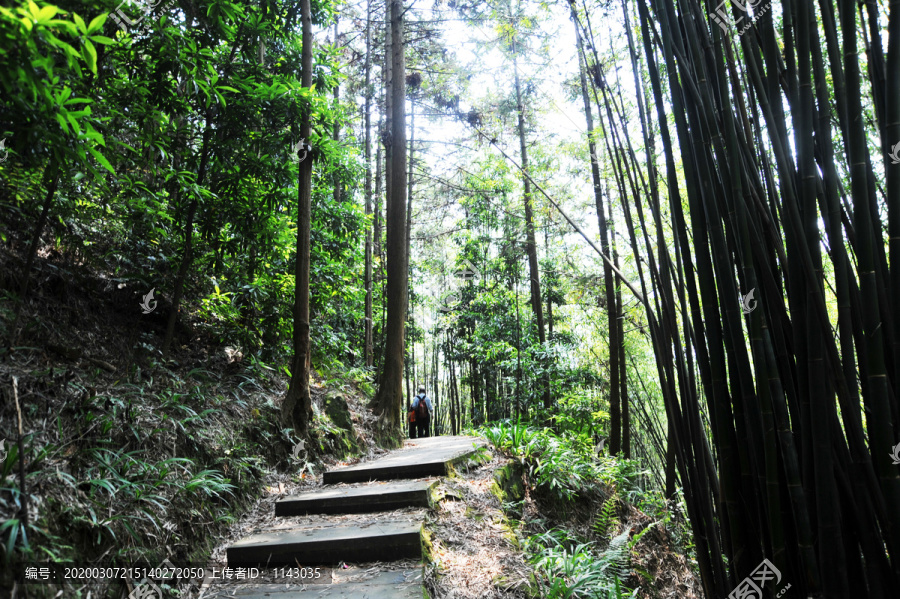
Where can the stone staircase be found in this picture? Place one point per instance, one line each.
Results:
(380, 537)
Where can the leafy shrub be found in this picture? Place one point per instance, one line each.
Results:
(565, 568)
(556, 464)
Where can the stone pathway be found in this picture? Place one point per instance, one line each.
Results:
(382, 535)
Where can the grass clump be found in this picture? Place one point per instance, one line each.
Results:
(566, 568)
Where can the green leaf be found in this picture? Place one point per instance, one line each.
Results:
(33, 8)
(68, 26)
(92, 133)
(90, 56)
(13, 525)
(70, 116)
(62, 122)
(101, 159)
(97, 24)
(80, 22)
(105, 484)
(102, 39)
(46, 13)
(61, 45)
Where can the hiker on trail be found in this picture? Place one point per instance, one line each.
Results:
(411, 420)
(421, 405)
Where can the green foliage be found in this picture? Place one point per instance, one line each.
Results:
(606, 517)
(564, 463)
(556, 464)
(44, 84)
(565, 568)
(119, 479)
(190, 115)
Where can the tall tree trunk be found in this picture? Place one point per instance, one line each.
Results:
(454, 398)
(623, 379)
(388, 400)
(378, 273)
(388, 106)
(368, 350)
(410, 312)
(336, 134)
(531, 249)
(519, 403)
(620, 438)
(385, 146)
(296, 411)
(892, 176)
(611, 312)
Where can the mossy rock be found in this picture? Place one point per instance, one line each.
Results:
(338, 410)
(343, 434)
(429, 560)
(474, 461)
(509, 483)
(427, 546)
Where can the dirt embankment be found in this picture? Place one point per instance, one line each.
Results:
(128, 457)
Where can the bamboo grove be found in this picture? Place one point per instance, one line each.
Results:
(776, 145)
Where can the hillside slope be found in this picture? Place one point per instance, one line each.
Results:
(128, 457)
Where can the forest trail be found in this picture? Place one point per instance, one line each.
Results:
(316, 527)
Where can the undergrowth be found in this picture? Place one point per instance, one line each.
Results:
(581, 547)
(566, 567)
(129, 472)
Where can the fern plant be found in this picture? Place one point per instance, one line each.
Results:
(606, 517)
(566, 568)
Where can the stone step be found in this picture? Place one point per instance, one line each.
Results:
(378, 497)
(376, 541)
(399, 584)
(419, 458)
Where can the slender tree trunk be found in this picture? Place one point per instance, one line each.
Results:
(519, 404)
(377, 228)
(623, 379)
(410, 313)
(388, 107)
(536, 304)
(892, 176)
(186, 260)
(389, 398)
(378, 273)
(622, 393)
(456, 416)
(385, 147)
(549, 283)
(611, 311)
(336, 135)
(296, 411)
(670, 463)
(367, 336)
